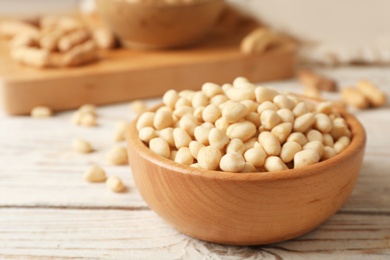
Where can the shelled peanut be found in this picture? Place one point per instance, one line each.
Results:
(364, 95)
(85, 116)
(41, 112)
(261, 39)
(58, 41)
(314, 83)
(243, 128)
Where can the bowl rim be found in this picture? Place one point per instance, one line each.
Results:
(358, 142)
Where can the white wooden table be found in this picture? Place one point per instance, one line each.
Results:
(47, 211)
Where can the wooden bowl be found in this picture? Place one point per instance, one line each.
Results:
(246, 208)
(145, 25)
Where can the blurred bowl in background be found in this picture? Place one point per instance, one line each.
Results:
(145, 25)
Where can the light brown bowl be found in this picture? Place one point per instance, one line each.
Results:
(246, 208)
(145, 25)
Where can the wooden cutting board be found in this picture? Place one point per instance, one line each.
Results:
(123, 75)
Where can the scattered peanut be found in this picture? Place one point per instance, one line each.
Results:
(87, 119)
(85, 116)
(95, 174)
(115, 184)
(258, 41)
(118, 155)
(354, 97)
(138, 107)
(82, 146)
(316, 81)
(88, 108)
(120, 131)
(41, 112)
(373, 94)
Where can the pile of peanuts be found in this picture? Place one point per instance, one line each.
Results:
(57, 41)
(243, 128)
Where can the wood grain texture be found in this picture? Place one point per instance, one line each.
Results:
(48, 212)
(123, 75)
(124, 234)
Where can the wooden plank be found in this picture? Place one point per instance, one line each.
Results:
(125, 234)
(40, 168)
(122, 75)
